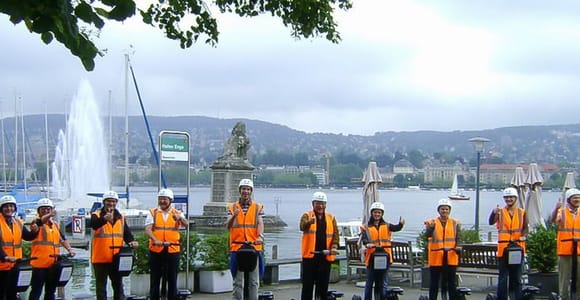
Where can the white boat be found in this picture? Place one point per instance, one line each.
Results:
(347, 230)
(455, 194)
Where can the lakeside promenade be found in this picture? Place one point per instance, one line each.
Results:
(291, 289)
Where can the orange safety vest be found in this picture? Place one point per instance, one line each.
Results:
(309, 237)
(11, 241)
(382, 237)
(245, 226)
(568, 228)
(103, 238)
(46, 243)
(165, 231)
(443, 238)
(510, 228)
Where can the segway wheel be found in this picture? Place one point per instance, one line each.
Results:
(423, 297)
(490, 296)
(356, 297)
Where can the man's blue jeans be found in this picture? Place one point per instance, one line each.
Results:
(377, 283)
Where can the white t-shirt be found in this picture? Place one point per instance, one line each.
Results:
(165, 213)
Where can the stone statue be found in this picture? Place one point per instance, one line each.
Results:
(235, 150)
(238, 144)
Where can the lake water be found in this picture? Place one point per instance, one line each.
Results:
(414, 206)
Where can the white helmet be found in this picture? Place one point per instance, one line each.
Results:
(510, 192)
(569, 193)
(44, 202)
(377, 205)
(319, 196)
(444, 202)
(110, 195)
(246, 182)
(165, 193)
(6, 199)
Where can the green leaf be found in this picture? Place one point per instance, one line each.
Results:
(123, 10)
(46, 37)
(84, 12)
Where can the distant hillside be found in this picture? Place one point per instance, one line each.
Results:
(514, 144)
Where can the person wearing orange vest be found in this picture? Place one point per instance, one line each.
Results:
(245, 223)
(12, 232)
(45, 247)
(568, 229)
(377, 233)
(319, 247)
(109, 229)
(443, 233)
(512, 225)
(162, 226)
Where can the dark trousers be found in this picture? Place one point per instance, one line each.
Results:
(42, 277)
(511, 274)
(315, 271)
(7, 285)
(102, 272)
(446, 275)
(160, 263)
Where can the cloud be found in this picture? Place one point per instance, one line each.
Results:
(401, 66)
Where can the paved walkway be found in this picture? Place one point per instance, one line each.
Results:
(291, 290)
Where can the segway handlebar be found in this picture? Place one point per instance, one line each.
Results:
(324, 252)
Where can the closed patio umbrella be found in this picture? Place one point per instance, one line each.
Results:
(569, 183)
(372, 179)
(534, 182)
(519, 183)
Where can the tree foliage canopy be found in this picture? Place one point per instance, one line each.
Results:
(71, 22)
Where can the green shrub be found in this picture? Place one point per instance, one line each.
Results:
(541, 248)
(214, 251)
(141, 265)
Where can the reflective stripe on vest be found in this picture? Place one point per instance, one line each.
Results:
(378, 237)
(309, 237)
(245, 226)
(46, 243)
(10, 241)
(165, 231)
(510, 228)
(568, 229)
(443, 238)
(104, 237)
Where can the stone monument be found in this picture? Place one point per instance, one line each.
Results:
(226, 173)
(228, 170)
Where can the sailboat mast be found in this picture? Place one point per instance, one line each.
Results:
(46, 145)
(127, 128)
(15, 141)
(110, 150)
(3, 153)
(23, 151)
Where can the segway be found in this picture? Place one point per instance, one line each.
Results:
(62, 269)
(181, 293)
(23, 274)
(330, 294)
(247, 261)
(513, 255)
(461, 292)
(572, 289)
(123, 261)
(379, 264)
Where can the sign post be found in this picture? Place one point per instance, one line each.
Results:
(174, 153)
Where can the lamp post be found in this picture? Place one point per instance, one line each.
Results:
(478, 144)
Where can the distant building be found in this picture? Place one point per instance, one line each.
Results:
(436, 171)
(403, 166)
(320, 173)
(503, 173)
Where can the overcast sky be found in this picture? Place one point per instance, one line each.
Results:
(402, 66)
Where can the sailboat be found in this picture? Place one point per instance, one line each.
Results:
(455, 194)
